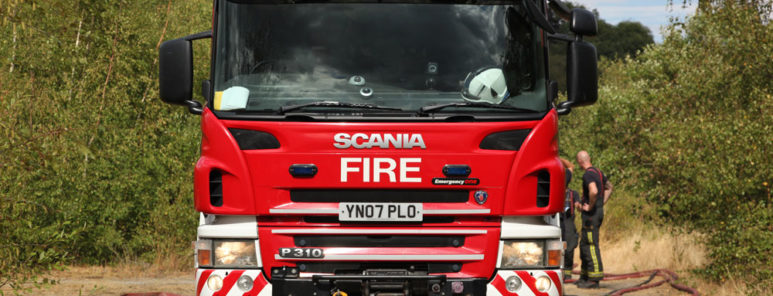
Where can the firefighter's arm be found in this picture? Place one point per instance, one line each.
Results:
(593, 193)
(607, 191)
(567, 164)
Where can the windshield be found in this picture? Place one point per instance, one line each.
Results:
(333, 57)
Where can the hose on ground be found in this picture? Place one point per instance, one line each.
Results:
(668, 276)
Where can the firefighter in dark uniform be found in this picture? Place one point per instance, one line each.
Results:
(596, 190)
(568, 230)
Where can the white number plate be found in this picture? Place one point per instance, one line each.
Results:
(369, 211)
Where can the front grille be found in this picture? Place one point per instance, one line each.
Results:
(365, 241)
(358, 267)
(423, 196)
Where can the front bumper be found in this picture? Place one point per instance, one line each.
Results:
(324, 285)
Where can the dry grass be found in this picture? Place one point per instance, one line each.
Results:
(652, 248)
(644, 247)
(164, 264)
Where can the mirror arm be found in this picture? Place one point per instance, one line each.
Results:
(564, 108)
(199, 35)
(561, 37)
(194, 107)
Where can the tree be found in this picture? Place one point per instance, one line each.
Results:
(613, 42)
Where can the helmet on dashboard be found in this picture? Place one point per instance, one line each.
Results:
(486, 85)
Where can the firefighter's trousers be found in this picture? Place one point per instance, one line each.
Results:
(590, 254)
(569, 235)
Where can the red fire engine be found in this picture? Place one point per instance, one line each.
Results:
(380, 147)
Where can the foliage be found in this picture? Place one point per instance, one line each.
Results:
(687, 127)
(94, 167)
(612, 42)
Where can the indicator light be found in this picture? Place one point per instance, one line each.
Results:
(456, 170)
(303, 170)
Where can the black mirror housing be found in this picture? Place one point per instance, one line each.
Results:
(583, 22)
(175, 71)
(581, 74)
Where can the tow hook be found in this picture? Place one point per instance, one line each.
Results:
(339, 293)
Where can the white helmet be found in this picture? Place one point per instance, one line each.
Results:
(486, 85)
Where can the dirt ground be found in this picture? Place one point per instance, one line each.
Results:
(94, 281)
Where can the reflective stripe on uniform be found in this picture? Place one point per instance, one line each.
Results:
(593, 253)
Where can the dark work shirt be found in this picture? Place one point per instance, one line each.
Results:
(592, 176)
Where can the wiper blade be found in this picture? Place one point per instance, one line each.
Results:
(285, 109)
(432, 108)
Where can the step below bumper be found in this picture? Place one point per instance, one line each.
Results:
(233, 283)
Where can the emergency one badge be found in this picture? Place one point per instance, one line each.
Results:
(481, 197)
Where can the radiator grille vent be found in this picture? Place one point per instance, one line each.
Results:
(543, 189)
(216, 188)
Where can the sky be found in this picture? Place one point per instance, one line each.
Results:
(651, 13)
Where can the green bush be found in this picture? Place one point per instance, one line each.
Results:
(94, 167)
(687, 126)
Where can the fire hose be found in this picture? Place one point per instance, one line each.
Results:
(668, 276)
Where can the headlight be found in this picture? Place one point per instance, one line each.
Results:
(520, 253)
(235, 253)
(516, 254)
(227, 253)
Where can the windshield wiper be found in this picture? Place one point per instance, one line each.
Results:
(285, 109)
(432, 108)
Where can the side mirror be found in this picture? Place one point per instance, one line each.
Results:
(581, 74)
(583, 22)
(175, 71)
(581, 62)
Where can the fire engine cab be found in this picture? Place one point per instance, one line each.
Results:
(380, 147)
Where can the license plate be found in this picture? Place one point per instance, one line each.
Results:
(301, 253)
(389, 212)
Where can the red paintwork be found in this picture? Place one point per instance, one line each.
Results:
(254, 182)
(499, 284)
(228, 282)
(258, 180)
(257, 286)
(530, 282)
(202, 279)
(486, 244)
(555, 277)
